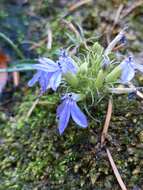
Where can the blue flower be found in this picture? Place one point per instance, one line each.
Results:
(67, 63)
(128, 69)
(69, 108)
(49, 74)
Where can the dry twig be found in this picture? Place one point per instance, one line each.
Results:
(131, 8)
(70, 26)
(117, 16)
(115, 170)
(32, 107)
(16, 78)
(138, 93)
(49, 38)
(77, 5)
(113, 43)
(39, 44)
(107, 122)
(119, 47)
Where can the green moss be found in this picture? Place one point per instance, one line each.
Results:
(34, 154)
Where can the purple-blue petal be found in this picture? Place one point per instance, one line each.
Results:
(127, 75)
(139, 67)
(44, 81)
(71, 65)
(55, 80)
(46, 61)
(46, 67)
(68, 65)
(64, 117)
(128, 70)
(60, 108)
(34, 79)
(78, 116)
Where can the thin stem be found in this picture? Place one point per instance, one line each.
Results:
(9, 41)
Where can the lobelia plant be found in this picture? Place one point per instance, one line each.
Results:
(78, 80)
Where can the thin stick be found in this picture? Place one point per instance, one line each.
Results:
(16, 78)
(70, 26)
(39, 44)
(107, 122)
(110, 29)
(114, 42)
(139, 94)
(119, 47)
(74, 7)
(122, 90)
(49, 39)
(117, 16)
(132, 8)
(115, 170)
(32, 108)
(78, 4)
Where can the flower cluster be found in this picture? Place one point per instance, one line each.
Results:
(95, 75)
(49, 75)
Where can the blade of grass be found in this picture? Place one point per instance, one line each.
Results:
(10, 42)
(18, 67)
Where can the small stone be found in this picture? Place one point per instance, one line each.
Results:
(140, 136)
(136, 171)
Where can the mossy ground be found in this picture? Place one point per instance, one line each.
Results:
(33, 156)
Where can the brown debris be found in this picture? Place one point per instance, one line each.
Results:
(115, 170)
(107, 122)
(130, 9)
